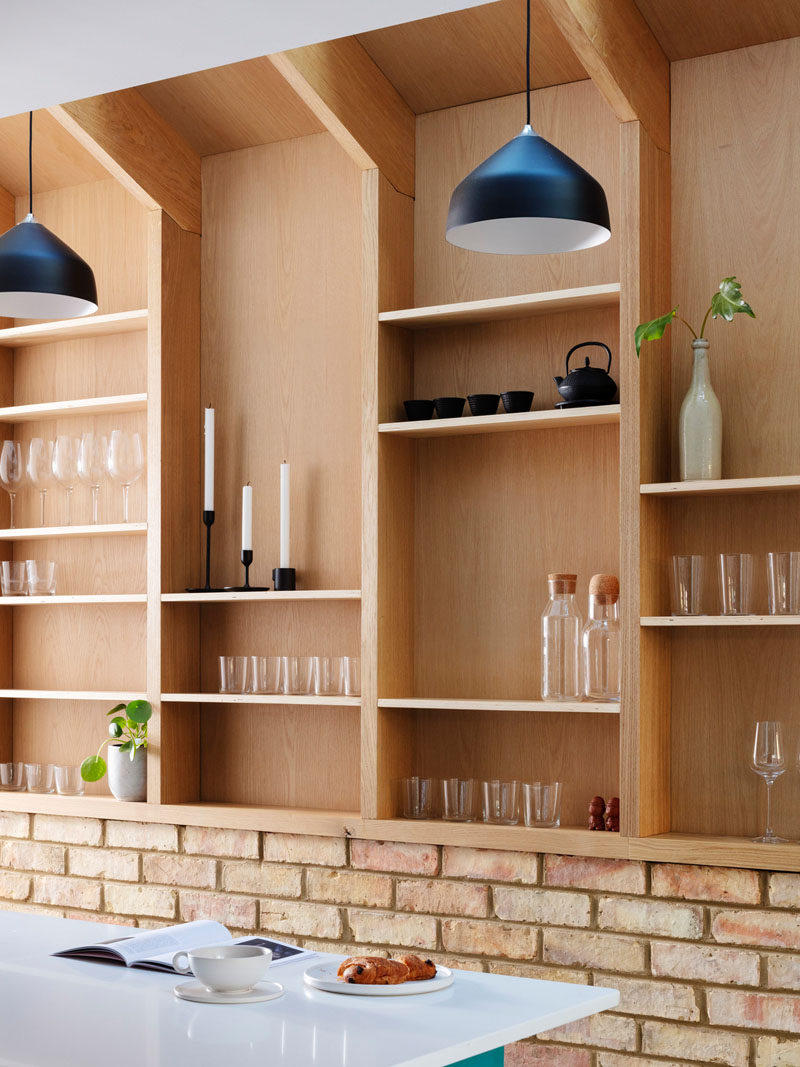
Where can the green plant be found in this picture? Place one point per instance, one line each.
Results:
(132, 725)
(725, 303)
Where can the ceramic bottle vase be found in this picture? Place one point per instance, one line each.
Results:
(127, 778)
(700, 422)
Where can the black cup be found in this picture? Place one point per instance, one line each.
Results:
(483, 403)
(517, 400)
(418, 410)
(449, 407)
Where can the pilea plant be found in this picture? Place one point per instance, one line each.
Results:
(725, 303)
(132, 725)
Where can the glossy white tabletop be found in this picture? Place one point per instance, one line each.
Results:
(73, 1013)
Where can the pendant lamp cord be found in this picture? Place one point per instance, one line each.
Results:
(30, 161)
(528, 63)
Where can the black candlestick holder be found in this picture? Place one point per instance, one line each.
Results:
(283, 578)
(247, 559)
(208, 521)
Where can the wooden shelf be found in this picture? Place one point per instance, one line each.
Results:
(112, 696)
(98, 405)
(436, 704)
(234, 596)
(503, 308)
(262, 698)
(716, 851)
(41, 533)
(675, 621)
(88, 598)
(74, 329)
(781, 483)
(567, 840)
(468, 425)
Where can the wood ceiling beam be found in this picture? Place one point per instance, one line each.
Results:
(622, 57)
(141, 150)
(355, 101)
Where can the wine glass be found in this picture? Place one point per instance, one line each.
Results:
(92, 465)
(125, 462)
(12, 471)
(769, 761)
(40, 469)
(65, 467)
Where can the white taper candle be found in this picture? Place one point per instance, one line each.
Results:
(208, 496)
(285, 515)
(247, 518)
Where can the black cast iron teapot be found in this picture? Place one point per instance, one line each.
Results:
(587, 384)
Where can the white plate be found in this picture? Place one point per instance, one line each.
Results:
(323, 976)
(198, 993)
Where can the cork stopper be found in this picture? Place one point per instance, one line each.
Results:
(562, 583)
(605, 588)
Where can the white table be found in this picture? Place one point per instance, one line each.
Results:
(73, 1013)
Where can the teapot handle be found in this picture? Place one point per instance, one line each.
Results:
(585, 344)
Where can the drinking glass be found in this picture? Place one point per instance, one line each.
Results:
(65, 466)
(12, 776)
(92, 465)
(232, 674)
(12, 578)
(298, 675)
(735, 582)
(687, 585)
(41, 578)
(769, 761)
(265, 674)
(417, 798)
(68, 780)
(458, 799)
(40, 469)
(541, 804)
(351, 668)
(40, 777)
(783, 583)
(328, 678)
(12, 472)
(125, 462)
(501, 802)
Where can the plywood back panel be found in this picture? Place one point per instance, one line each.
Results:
(58, 159)
(76, 370)
(452, 143)
(46, 731)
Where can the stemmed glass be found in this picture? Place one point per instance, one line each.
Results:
(92, 465)
(125, 462)
(40, 469)
(769, 761)
(12, 472)
(65, 467)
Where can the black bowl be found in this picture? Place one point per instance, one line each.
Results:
(483, 403)
(449, 407)
(517, 400)
(418, 410)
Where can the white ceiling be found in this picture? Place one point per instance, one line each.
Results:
(60, 50)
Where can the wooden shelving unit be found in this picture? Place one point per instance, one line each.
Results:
(469, 425)
(100, 529)
(784, 483)
(690, 621)
(280, 597)
(262, 698)
(43, 333)
(560, 708)
(72, 599)
(99, 405)
(105, 697)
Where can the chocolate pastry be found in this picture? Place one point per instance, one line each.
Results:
(596, 810)
(419, 970)
(375, 971)
(355, 959)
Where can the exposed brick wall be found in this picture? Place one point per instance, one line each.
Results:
(707, 960)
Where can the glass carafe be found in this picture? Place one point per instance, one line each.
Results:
(561, 630)
(601, 640)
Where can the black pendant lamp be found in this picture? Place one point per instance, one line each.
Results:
(528, 197)
(40, 276)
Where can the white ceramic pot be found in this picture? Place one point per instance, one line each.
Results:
(127, 778)
(700, 422)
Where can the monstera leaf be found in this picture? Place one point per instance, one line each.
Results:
(729, 301)
(653, 331)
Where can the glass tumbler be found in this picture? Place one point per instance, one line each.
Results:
(417, 798)
(783, 583)
(12, 776)
(68, 780)
(265, 674)
(687, 585)
(12, 578)
(232, 674)
(40, 777)
(328, 675)
(41, 578)
(298, 675)
(735, 582)
(501, 802)
(541, 804)
(351, 670)
(458, 799)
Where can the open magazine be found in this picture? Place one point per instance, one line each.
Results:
(154, 949)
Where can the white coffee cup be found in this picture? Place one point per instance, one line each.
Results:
(225, 968)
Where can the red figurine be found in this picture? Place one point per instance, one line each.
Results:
(596, 810)
(612, 814)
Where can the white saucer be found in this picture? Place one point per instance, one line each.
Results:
(198, 993)
(323, 976)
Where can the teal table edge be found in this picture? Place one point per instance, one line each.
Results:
(486, 1059)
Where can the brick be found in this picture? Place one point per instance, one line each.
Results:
(101, 917)
(391, 928)
(238, 912)
(294, 917)
(772, 929)
(642, 996)
(489, 939)
(696, 1044)
(67, 829)
(655, 917)
(67, 892)
(602, 1031)
(207, 841)
(586, 872)
(275, 880)
(30, 909)
(583, 949)
(613, 1059)
(104, 863)
(525, 1055)
(305, 849)
(349, 887)
(165, 869)
(143, 835)
(142, 900)
(458, 963)
(443, 898)
(539, 970)
(783, 890)
(776, 1052)
(14, 824)
(491, 865)
(542, 906)
(14, 886)
(783, 972)
(704, 963)
(394, 856)
(33, 856)
(727, 885)
(758, 1011)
